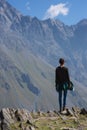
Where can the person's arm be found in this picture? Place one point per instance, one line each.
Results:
(55, 77)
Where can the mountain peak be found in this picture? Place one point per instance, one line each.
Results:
(7, 13)
(3, 4)
(2, 1)
(28, 47)
(53, 21)
(83, 22)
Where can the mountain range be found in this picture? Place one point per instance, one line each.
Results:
(29, 52)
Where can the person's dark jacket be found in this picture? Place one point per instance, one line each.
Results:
(61, 75)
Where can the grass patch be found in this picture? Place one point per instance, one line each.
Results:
(44, 122)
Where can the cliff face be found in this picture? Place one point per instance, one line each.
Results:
(15, 119)
(29, 51)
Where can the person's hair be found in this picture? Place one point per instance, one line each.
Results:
(61, 61)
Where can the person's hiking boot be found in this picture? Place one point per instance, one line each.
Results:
(64, 112)
(64, 108)
(60, 110)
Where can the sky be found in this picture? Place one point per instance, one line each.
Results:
(70, 12)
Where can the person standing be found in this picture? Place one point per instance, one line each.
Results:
(61, 80)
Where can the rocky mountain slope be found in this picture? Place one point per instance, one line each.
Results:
(29, 52)
(22, 119)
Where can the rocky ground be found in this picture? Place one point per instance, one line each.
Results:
(22, 119)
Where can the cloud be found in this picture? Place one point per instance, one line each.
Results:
(27, 6)
(55, 10)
